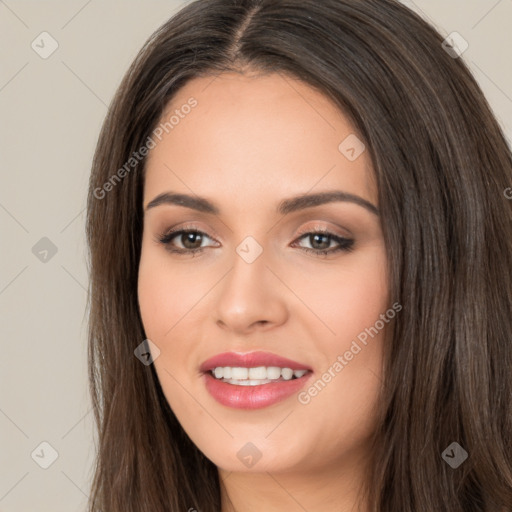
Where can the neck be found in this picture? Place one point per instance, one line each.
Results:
(335, 488)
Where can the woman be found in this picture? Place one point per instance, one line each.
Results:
(300, 252)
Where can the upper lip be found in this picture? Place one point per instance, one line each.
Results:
(250, 360)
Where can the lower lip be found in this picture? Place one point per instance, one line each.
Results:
(253, 397)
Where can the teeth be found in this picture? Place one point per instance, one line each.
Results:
(258, 373)
(248, 382)
(273, 372)
(239, 373)
(287, 373)
(255, 376)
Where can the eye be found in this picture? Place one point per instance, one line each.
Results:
(322, 239)
(190, 239)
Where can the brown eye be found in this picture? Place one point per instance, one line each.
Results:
(320, 242)
(189, 239)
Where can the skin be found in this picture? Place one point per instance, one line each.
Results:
(251, 142)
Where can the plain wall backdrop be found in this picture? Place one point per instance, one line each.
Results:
(51, 110)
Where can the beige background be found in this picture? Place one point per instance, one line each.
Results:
(51, 111)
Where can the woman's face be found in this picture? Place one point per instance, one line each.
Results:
(248, 146)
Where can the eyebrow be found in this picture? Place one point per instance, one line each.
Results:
(285, 207)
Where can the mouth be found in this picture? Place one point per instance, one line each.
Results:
(255, 376)
(253, 380)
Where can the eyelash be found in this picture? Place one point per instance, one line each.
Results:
(345, 244)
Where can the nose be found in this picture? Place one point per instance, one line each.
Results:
(250, 297)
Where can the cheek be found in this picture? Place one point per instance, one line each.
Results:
(346, 300)
(339, 405)
(166, 300)
(361, 297)
(165, 294)
(155, 301)
(352, 353)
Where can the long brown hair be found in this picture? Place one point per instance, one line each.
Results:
(441, 164)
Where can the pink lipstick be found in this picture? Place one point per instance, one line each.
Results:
(253, 380)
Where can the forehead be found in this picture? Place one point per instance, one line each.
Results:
(260, 133)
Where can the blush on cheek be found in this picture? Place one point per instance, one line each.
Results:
(358, 306)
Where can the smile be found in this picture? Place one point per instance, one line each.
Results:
(255, 376)
(253, 380)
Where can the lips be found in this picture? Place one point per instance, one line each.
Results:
(238, 394)
(251, 360)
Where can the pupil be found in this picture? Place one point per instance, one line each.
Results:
(325, 245)
(189, 237)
